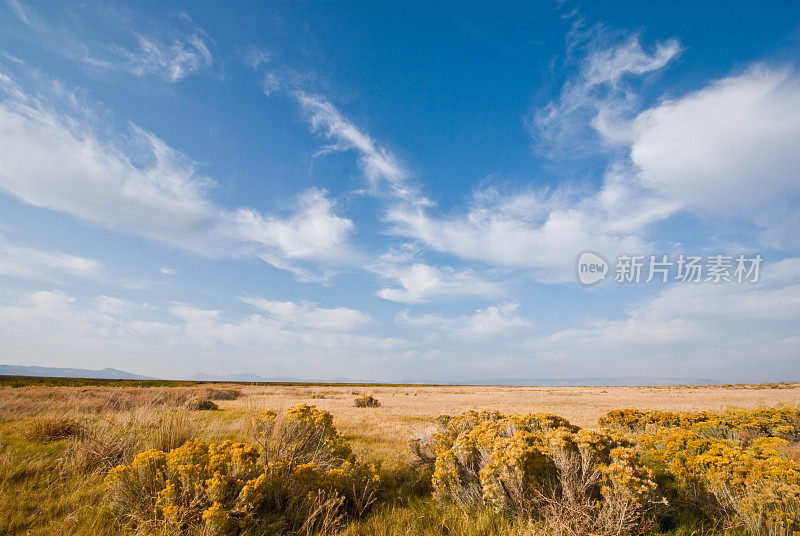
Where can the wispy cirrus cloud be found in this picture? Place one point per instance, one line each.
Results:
(711, 151)
(724, 150)
(382, 170)
(601, 92)
(542, 230)
(23, 261)
(309, 315)
(21, 12)
(171, 55)
(62, 160)
(172, 59)
(535, 230)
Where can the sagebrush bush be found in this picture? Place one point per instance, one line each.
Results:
(367, 401)
(299, 476)
(199, 403)
(540, 466)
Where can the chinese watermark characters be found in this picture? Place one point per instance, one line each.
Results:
(593, 268)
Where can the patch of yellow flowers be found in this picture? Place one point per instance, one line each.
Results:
(740, 425)
(734, 466)
(228, 487)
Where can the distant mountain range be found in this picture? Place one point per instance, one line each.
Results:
(240, 377)
(115, 374)
(58, 372)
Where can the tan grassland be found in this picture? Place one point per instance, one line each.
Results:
(57, 443)
(405, 412)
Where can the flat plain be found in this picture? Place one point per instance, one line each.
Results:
(406, 412)
(59, 439)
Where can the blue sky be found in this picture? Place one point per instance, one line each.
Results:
(398, 191)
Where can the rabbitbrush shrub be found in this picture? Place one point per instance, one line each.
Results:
(738, 425)
(734, 467)
(367, 401)
(540, 466)
(298, 476)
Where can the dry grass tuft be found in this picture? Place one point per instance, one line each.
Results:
(53, 429)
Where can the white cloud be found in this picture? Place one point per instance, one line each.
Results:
(729, 149)
(539, 230)
(170, 57)
(682, 158)
(543, 231)
(49, 161)
(380, 167)
(22, 261)
(255, 57)
(600, 96)
(491, 322)
(485, 324)
(166, 270)
(53, 328)
(21, 12)
(62, 162)
(734, 332)
(726, 150)
(311, 316)
(611, 64)
(312, 231)
(420, 283)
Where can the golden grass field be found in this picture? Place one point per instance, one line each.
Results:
(407, 411)
(56, 486)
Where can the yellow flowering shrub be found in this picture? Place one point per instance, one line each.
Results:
(753, 486)
(731, 466)
(738, 425)
(367, 401)
(540, 465)
(226, 488)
